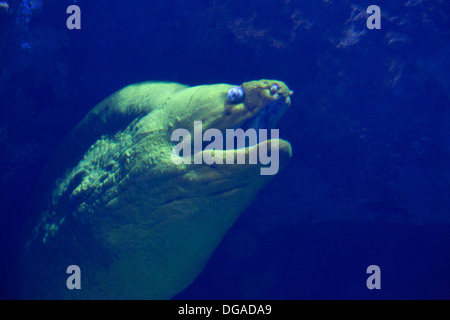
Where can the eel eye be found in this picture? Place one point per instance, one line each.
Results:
(274, 89)
(235, 95)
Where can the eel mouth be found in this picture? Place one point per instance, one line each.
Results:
(267, 117)
(264, 105)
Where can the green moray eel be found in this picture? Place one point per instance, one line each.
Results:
(138, 225)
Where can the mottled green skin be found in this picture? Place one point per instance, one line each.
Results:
(139, 226)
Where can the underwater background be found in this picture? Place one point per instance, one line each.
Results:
(369, 124)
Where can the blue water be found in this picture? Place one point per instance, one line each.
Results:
(369, 125)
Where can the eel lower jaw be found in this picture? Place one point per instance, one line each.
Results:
(280, 153)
